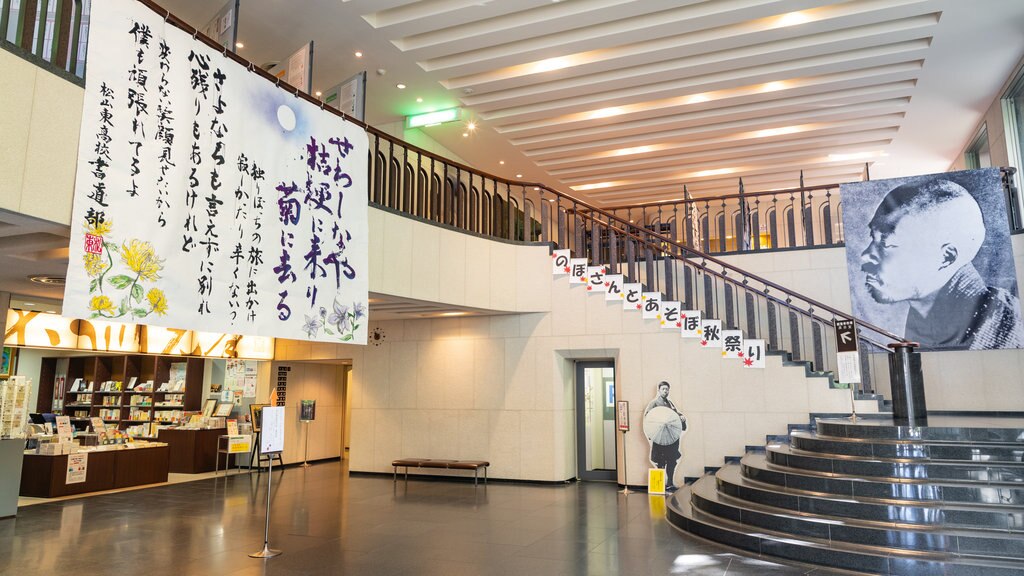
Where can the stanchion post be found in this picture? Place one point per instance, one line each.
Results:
(625, 473)
(305, 450)
(267, 551)
(271, 442)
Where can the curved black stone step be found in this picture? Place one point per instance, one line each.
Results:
(906, 449)
(756, 467)
(731, 482)
(868, 428)
(705, 497)
(944, 471)
(840, 555)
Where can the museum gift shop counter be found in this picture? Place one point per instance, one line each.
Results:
(101, 468)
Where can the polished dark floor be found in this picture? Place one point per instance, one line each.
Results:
(327, 522)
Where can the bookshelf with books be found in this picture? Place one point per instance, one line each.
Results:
(127, 389)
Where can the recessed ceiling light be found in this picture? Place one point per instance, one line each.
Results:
(519, 175)
(502, 162)
(28, 303)
(400, 86)
(465, 134)
(471, 125)
(419, 99)
(239, 45)
(319, 93)
(359, 54)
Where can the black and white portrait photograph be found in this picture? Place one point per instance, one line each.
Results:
(929, 258)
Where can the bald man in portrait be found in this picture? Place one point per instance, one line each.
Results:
(924, 238)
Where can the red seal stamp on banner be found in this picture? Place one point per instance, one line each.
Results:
(93, 244)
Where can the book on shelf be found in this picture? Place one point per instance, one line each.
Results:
(132, 382)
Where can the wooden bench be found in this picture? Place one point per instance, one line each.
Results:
(474, 465)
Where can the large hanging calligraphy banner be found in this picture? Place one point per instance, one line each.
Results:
(209, 199)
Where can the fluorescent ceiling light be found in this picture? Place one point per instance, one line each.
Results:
(433, 118)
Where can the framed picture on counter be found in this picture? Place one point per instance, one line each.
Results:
(209, 407)
(255, 412)
(224, 409)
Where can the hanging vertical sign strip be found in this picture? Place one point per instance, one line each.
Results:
(209, 199)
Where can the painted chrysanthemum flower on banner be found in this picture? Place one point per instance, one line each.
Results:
(94, 264)
(343, 319)
(121, 292)
(157, 301)
(140, 258)
(101, 305)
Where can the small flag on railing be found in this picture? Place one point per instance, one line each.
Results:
(670, 315)
(652, 305)
(711, 334)
(631, 296)
(560, 262)
(595, 279)
(732, 344)
(613, 283)
(690, 324)
(753, 354)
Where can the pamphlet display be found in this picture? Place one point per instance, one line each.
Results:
(14, 407)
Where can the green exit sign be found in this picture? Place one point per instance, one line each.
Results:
(433, 118)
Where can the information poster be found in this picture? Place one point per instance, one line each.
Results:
(78, 468)
(64, 430)
(239, 444)
(307, 410)
(272, 432)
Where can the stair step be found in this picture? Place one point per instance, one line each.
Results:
(756, 467)
(731, 482)
(1010, 432)
(943, 471)
(705, 497)
(839, 555)
(908, 449)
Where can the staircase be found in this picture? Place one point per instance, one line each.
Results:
(873, 497)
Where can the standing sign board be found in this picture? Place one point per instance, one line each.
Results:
(847, 357)
(307, 410)
(64, 430)
(272, 432)
(297, 70)
(623, 415)
(223, 27)
(349, 97)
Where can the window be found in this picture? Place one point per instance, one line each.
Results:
(977, 154)
(1013, 118)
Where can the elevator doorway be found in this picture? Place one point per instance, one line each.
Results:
(595, 421)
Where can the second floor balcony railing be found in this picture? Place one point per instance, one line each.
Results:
(675, 260)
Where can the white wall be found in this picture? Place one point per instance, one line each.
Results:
(500, 387)
(39, 125)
